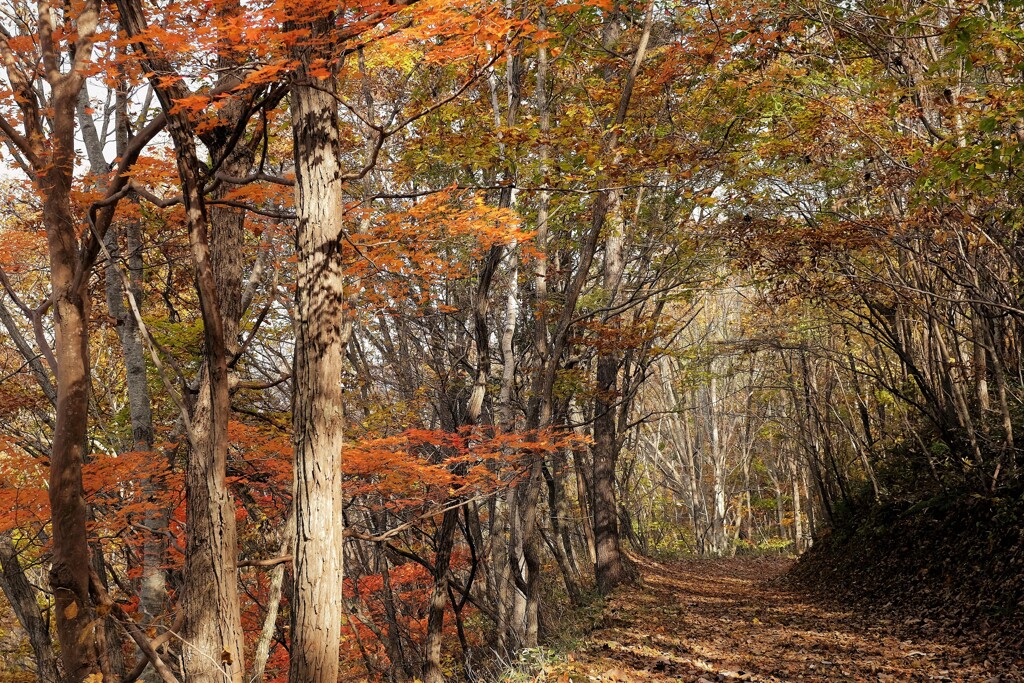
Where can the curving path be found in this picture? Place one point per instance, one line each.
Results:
(706, 621)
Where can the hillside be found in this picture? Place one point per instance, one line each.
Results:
(950, 565)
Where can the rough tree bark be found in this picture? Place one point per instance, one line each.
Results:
(212, 631)
(609, 570)
(317, 422)
(22, 596)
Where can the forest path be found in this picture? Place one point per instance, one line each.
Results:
(706, 621)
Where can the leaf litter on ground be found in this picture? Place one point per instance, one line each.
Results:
(715, 621)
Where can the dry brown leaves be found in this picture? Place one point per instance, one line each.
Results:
(713, 621)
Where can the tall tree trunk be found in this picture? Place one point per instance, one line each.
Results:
(609, 570)
(798, 529)
(212, 632)
(318, 416)
(69, 573)
(560, 543)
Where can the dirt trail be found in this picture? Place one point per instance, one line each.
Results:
(727, 620)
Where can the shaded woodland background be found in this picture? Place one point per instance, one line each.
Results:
(571, 280)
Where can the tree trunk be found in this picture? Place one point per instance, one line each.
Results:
(439, 598)
(318, 416)
(212, 632)
(273, 603)
(608, 569)
(798, 530)
(22, 598)
(69, 573)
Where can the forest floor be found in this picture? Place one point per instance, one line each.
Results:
(706, 621)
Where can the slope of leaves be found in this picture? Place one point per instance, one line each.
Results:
(952, 563)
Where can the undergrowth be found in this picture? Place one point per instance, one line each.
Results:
(566, 630)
